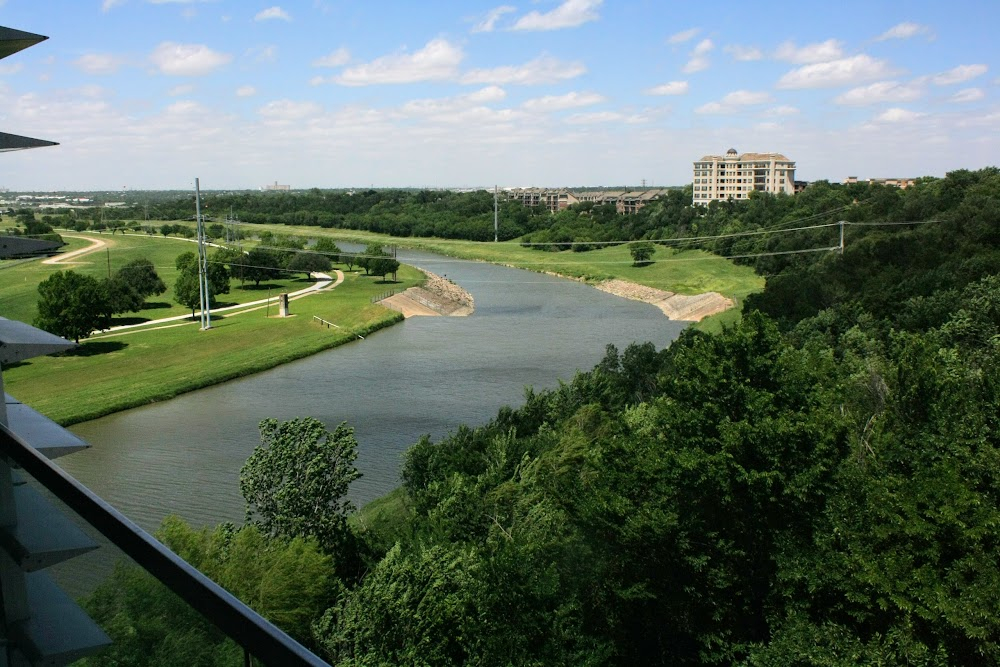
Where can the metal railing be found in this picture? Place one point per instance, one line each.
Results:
(258, 637)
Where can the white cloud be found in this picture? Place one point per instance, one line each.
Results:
(98, 63)
(699, 57)
(744, 53)
(569, 14)
(489, 22)
(10, 68)
(968, 95)
(746, 98)
(712, 107)
(783, 110)
(842, 72)
(880, 92)
(571, 100)
(671, 88)
(732, 102)
(819, 52)
(183, 89)
(287, 110)
(176, 59)
(437, 61)
(903, 31)
(544, 69)
(959, 74)
(263, 54)
(596, 117)
(246, 91)
(451, 105)
(272, 13)
(337, 58)
(897, 115)
(108, 5)
(683, 36)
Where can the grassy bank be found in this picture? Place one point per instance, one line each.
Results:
(125, 369)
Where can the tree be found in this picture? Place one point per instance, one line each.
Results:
(187, 291)
(642, 252)
(141, 275)
(296, 481)
(382, 266)
(262, 264)
(309, 263)
(72, 305)
(328, 248)
(372, 251)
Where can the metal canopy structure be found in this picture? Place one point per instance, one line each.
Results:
(12, 41)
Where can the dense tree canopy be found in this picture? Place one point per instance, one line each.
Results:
(72, 305)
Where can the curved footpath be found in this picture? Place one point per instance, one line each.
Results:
(323, 281)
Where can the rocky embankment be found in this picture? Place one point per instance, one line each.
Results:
(675, 306)
(438, 296)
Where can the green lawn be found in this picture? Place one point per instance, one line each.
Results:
(112, 372)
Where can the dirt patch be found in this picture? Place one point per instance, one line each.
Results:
(675, 306)
(438, 296)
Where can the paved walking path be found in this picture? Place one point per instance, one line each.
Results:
(323, 281)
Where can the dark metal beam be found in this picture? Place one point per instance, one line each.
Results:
(12, 41)
(245, 626)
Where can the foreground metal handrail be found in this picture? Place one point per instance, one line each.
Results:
(241, 623)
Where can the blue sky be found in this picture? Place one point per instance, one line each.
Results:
(148, 94)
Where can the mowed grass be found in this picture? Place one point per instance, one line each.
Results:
(19, 280)
(119, 370)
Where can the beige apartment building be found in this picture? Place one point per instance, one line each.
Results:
(901, 183)
(557, 200)
(734, 176)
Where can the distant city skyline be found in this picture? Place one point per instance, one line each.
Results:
(148, 94)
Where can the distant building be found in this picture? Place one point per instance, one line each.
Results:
(19, 246)
(734, 176)
(557, 200)
(901, 183)
(800, 186)
(275, 186)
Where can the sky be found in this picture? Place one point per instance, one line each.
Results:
(150, 94)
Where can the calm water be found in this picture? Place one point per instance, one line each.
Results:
(426, 375)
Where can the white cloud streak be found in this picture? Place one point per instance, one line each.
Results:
(438, 60)
(744, 53)
(683, 36)
(489, 22)
(544, 69)
(671, 88)
(903, 31)
(272, 13)
(573, 100)
(98, 63)
(569, 14)
(881, 92)
(176, 59)
(818, 52)
(842, 72)
(337, 58)
(699, 57)
(959, 74)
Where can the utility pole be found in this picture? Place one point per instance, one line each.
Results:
(206, 318)
(496, 218)
(841, 249)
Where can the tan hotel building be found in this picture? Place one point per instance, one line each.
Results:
(735, 176)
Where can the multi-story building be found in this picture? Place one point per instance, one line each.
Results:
(901, 183)
(734, 176)
(558, 200)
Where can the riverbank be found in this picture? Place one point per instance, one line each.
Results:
(437, 296)
(142, 366)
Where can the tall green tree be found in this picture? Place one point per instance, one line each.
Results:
(72, 305)
(296, 481)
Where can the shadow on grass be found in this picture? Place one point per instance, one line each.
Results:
(123, 321)
(96, 347)
(156, 305)
(262, 287)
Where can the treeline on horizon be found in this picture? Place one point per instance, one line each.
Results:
(817, 485)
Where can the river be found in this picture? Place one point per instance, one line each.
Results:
(426, 375)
